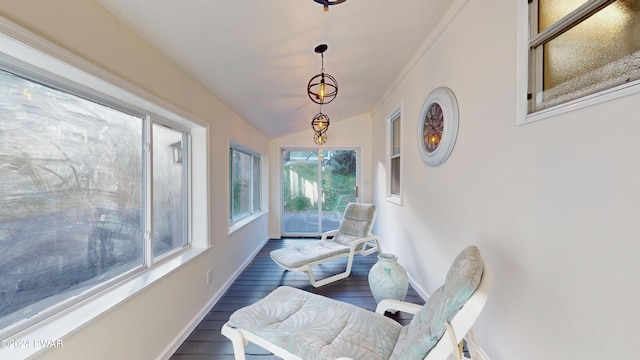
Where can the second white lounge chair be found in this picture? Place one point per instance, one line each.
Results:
(353, 237)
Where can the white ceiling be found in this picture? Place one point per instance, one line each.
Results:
(258, 55)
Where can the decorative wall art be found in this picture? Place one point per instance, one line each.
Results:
(438, 126)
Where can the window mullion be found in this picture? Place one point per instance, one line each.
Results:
(186, 188)
(148, 191)
(320, 192)
(251, 175)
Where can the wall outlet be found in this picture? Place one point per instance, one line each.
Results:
(209, 276)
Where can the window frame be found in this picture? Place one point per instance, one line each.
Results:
(235, 223)
(530, 60)
(149, 259)
(33, 57)
(396, 115)
(185, 188)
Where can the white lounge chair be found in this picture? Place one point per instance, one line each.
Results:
(294, 324)
(353, 237)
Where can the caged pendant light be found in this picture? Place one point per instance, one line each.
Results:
(320, 125)
(322, 88)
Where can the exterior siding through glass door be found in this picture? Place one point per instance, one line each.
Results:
(316, 189)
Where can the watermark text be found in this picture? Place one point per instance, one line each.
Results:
(31, 343)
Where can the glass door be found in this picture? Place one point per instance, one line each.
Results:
(317, 185)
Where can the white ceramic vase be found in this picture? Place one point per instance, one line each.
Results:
(388, 279)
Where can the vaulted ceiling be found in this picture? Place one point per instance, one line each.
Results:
(258, 55)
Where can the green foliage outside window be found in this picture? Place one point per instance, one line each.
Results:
(338, 181)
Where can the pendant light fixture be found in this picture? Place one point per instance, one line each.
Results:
(322, 88)
(320, 125)
(320, 139)
(327, 3)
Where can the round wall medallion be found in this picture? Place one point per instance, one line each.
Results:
(438, 126)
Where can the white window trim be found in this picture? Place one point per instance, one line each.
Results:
(20, 46)
(242, 222)
(394, 198)
(522, 81)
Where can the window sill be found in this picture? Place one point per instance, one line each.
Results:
(583, 102)
(243, 222)
(52, 331)
(395, 199)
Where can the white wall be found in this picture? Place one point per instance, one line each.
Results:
(552, 205)
(149, 323)
(352, 132)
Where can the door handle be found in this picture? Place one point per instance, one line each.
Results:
(356, 192)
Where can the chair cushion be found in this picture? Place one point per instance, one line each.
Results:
(315, 327)
(296, 256)
(356, 224)
(427, 326)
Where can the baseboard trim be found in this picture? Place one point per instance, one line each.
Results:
(475, 350)
(187, 330)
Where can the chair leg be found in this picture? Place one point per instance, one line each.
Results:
(330, 279)
(237, 340)
(312, 279)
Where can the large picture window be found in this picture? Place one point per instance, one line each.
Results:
(580, 47)
(244, 195)
(75, 214)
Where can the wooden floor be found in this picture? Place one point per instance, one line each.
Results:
(260, 278)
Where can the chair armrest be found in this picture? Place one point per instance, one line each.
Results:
(355, 243)
(391, 304)
(366, 241)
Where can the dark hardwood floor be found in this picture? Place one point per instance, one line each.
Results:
(260, 278)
